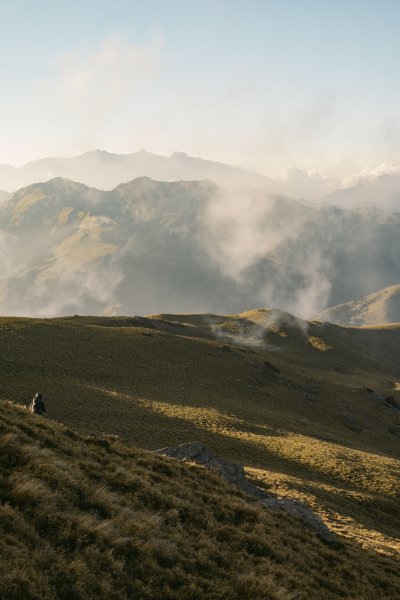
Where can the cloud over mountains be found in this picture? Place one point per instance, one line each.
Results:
(147, 247)
(378, 188)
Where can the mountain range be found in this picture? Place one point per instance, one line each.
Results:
(308, 411)
(147, 247)
(374, 309)
(381, 192)
(105, 170)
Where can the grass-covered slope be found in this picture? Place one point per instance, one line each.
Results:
(302, 406)
(85, 517)
(375, 309)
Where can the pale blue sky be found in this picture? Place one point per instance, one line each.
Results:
(264, 84)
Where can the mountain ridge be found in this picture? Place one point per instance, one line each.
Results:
(106, 170)
(378, 308)
(151, 247)
(382, 191)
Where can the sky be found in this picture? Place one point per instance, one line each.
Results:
(262, 84)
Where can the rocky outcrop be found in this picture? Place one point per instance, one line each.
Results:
(235, 475)
(303, 512)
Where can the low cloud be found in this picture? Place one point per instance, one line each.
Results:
(252, 237)
(195, 248)
(371, 172)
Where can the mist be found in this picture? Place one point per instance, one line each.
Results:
(245, 229)
(151, 247)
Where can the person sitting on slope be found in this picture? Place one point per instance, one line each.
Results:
(37, 405)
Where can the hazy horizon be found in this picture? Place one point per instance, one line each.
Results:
(267, 87)
(367, 170)
(287, 180)
(280, 103)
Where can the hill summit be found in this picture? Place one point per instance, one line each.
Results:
(379, 308)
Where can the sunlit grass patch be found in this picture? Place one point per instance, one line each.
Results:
(115, 380)
(125, 523)
(319, 344)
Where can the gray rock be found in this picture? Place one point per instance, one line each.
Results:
(235, 475)
(198, 452)
(303, 512)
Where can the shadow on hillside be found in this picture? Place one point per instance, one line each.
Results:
(59, 355)
(331, 572)
(149, 412)
(372, 511)
(149, 428)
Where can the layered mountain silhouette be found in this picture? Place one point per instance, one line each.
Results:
(105, 170)
(374, 309)
(148, 247)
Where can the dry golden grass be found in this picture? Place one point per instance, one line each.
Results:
(100, 519)
(300, 419)
(319, 344)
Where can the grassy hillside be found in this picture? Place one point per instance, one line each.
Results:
(85, 517)
(374, 309)
(287, 399)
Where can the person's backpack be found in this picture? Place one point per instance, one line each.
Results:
(40, 407)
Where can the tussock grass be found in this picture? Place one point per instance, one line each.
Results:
(100, 519)
(304, 427)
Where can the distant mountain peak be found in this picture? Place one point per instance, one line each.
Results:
(182, 155)
(99, 151)
(104, 170)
